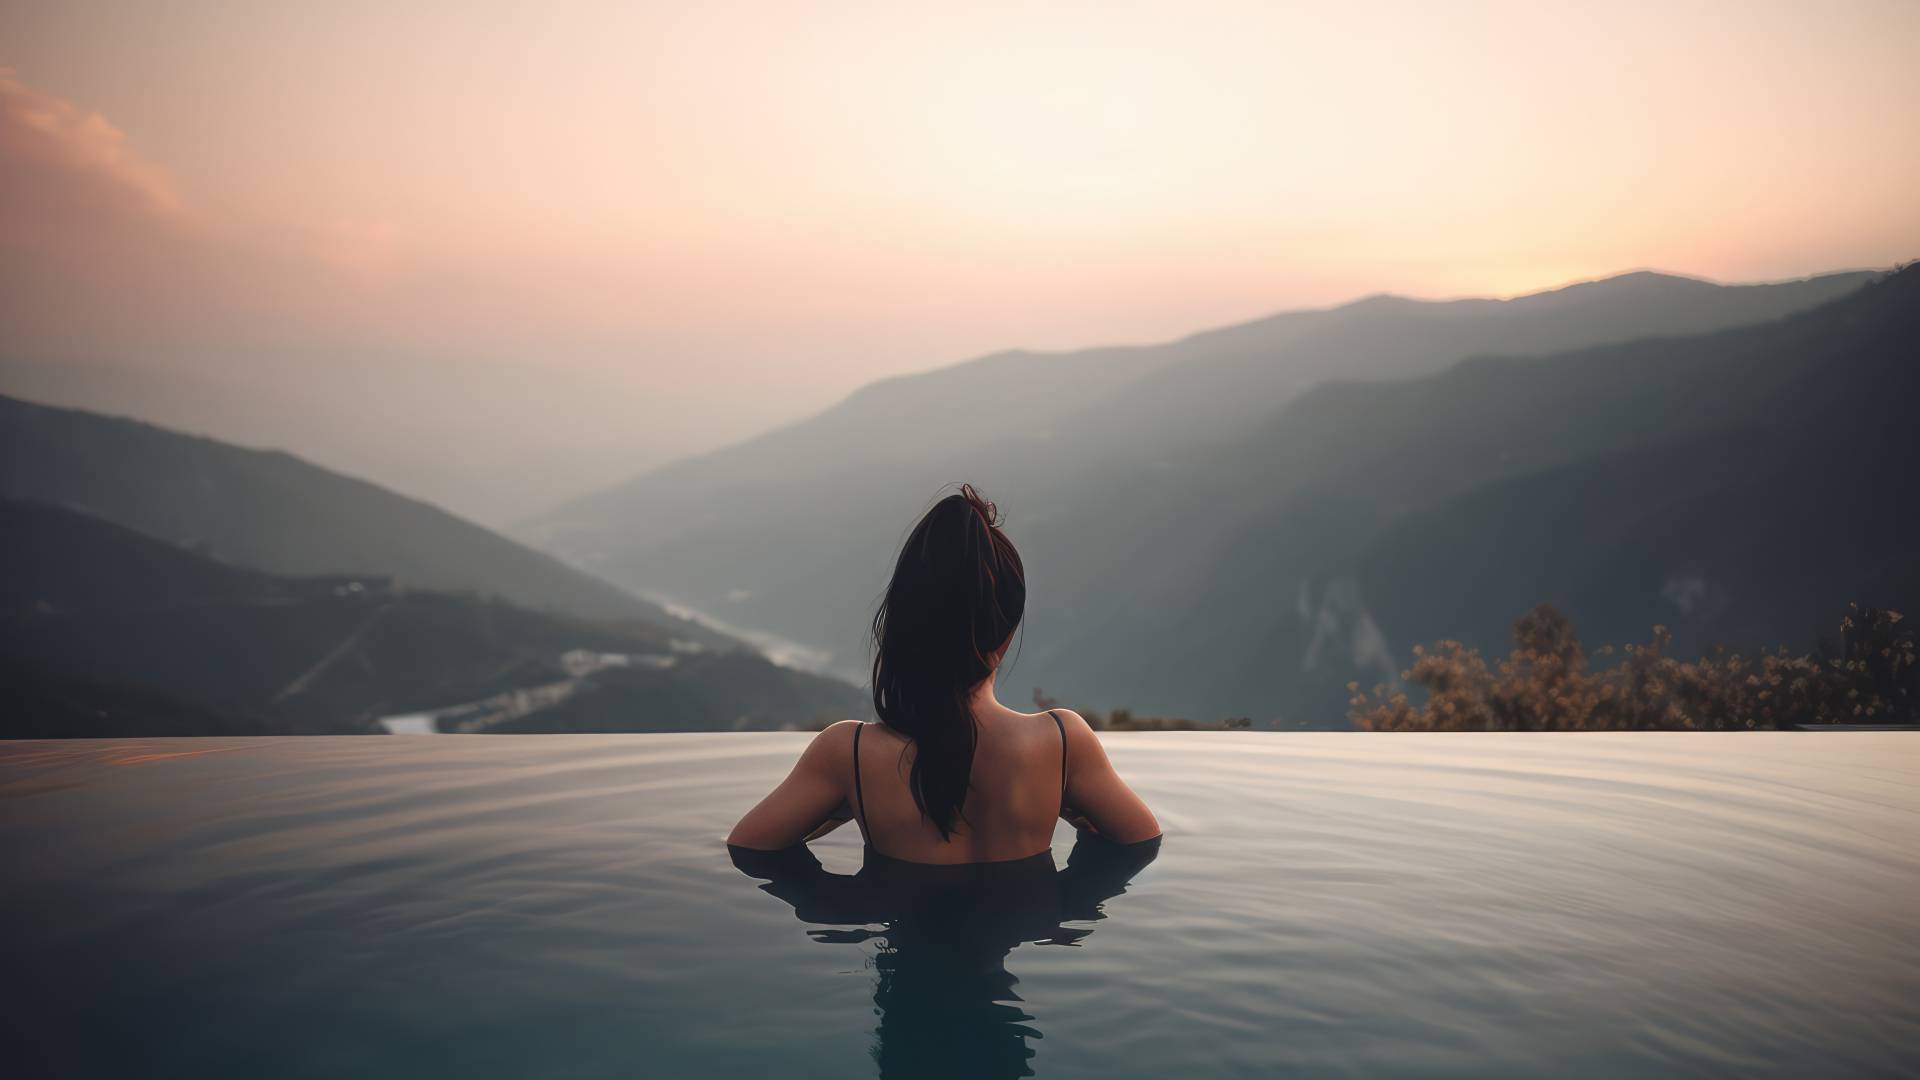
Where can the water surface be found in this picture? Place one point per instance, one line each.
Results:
(1323, 904)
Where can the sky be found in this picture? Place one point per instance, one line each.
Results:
(498, 254)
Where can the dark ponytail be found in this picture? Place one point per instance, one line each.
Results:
(957, 595)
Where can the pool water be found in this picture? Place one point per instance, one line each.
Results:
(1322, 904)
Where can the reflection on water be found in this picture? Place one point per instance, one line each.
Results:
(1578, 905)
(946, 1001)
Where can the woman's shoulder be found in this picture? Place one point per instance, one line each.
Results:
(1071, 722)
(831, 743)
(1080, 736)
(1040, 727)
(838, 738)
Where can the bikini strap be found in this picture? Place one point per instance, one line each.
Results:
(1057, 722)
(858, 792)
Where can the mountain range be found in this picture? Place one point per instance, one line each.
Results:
(161, 583)
(106, 631)
(1739, 487)
(271, 511)
(1234, 524)
(1209, 525)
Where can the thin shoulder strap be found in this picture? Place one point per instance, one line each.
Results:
(1057, 722)
(858, 792)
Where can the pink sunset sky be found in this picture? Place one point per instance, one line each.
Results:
(496, 254)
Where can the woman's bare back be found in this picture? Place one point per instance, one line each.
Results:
(1016, 793)
(1011, 806)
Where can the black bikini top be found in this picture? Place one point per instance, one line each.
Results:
(860, 794)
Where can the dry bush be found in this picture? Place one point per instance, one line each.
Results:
(1548, 684)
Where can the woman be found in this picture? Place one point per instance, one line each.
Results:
(949, 776)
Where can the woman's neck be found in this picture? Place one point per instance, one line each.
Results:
(982, 699)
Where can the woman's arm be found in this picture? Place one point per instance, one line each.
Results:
(807, 799)
(840, 816)
(1095, 793)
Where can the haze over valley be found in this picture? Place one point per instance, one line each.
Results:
(1268, 511)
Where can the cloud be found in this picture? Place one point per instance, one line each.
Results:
(97, 245)
(105, 240)
(62, 167)
(102, 254)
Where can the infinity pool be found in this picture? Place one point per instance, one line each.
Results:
(1323, 904)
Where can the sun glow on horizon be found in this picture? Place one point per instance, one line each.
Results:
(729, 211)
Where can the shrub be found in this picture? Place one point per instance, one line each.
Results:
(1548, 684)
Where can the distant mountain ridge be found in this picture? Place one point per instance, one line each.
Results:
(1392, 337)
(271, 511)
(1780, 488)
(1112, 463)
(106, 631)
(1740, 486)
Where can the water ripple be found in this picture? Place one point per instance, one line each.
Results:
(1324, 904)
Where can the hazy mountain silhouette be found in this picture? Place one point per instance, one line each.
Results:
(1740, 486)
(1238, 375)
(107, 631)
(1769, 480)
(1113, 461)
(274, 512)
